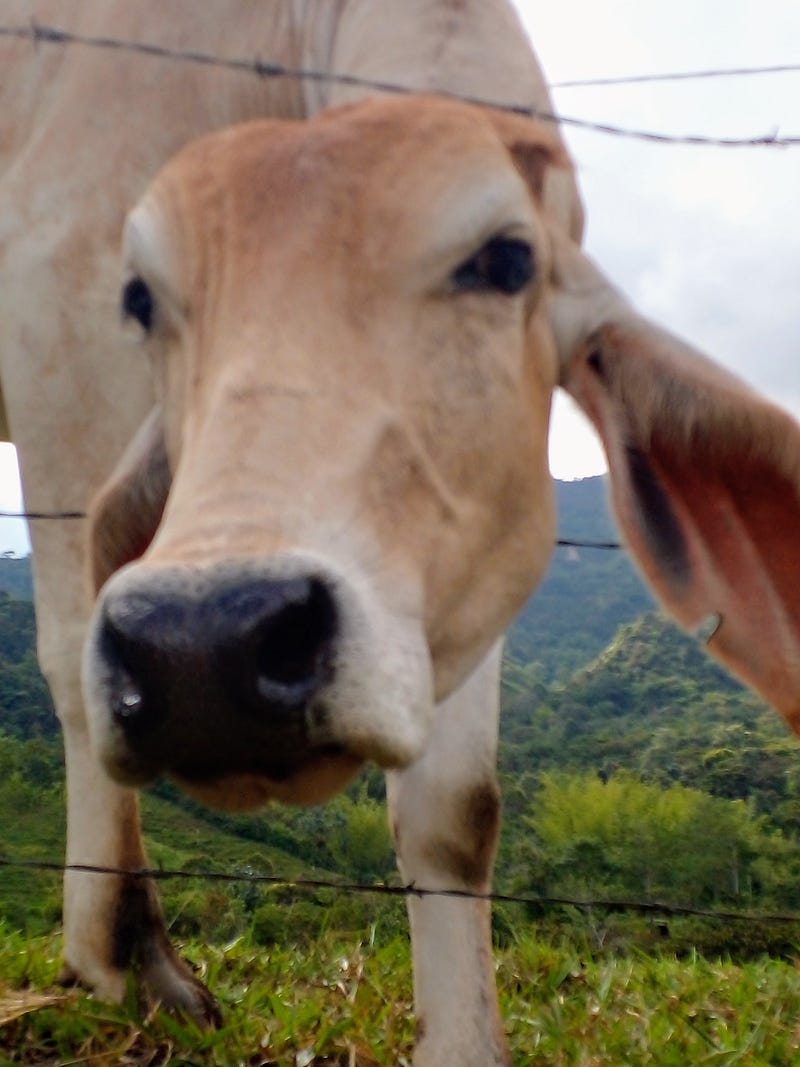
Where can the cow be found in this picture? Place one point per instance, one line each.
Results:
(314, 455)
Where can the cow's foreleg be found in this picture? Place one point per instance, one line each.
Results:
(445, 813)
(112, 924)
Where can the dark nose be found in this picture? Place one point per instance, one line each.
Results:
(264, 647)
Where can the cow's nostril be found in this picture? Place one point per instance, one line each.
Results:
(127, 660)
(294, 654)
(265, 645)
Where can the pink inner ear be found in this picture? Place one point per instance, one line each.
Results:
(706, 486)
(738, 528)
(126, 513)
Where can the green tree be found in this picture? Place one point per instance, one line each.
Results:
(623, 836)
(360, 843)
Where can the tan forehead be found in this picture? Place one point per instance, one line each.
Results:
(393, 153)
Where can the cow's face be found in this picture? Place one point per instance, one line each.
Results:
(343, 496)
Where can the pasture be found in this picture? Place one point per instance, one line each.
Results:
(348, 1003)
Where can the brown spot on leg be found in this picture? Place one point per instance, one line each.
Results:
(139, 944)
(470, 854)
(135, 924)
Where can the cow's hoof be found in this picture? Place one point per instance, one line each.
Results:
(169, 983)
(164, 982)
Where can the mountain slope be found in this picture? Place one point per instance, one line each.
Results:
(654, 703)
(585, 596)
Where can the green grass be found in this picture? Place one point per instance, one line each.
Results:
(348, 1002)
(31, 828)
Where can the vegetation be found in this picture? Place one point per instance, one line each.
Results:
(26, 709)
(586, 595)
(15, 576)
(633, 768)
(342, 1002)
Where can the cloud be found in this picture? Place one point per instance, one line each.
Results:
(704, 240)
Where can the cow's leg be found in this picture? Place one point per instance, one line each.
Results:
(445, 812)
(112, 924)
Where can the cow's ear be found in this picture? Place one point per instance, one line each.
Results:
(126, 512)
(705, 479)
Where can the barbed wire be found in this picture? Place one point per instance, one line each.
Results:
(60, 516)
(43, 34)
(674, 76)
(614, 546)
(536, 902)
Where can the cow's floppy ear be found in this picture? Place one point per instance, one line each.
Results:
(126, 512)
(705, 478)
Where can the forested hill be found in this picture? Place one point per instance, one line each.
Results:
(15, 576)
(585, 596)
(594, 679)
(654, 704)
(25, 706)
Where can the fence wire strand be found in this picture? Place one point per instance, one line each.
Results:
(52, 35)
(536, 903)
(677, 76)
(61, 516)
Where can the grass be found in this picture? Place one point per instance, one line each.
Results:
(347, 1002)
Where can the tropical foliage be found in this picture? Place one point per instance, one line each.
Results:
(633, 767)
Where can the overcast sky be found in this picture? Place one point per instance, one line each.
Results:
(705, 240)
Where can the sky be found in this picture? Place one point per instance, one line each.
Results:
(704, 240)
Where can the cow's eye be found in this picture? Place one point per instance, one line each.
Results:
(138, 303)
(503, 265)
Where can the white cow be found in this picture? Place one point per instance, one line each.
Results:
(320, 488)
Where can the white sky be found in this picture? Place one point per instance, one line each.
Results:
(705, 240)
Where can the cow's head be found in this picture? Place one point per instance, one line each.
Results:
(343, 496)
(355, 327)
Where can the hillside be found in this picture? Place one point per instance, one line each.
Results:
(15, 576)
(595, 683)
(25, 706)
(585, 596)
(655, 704)
(593, 679)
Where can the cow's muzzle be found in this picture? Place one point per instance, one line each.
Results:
(247, 680)
(270, 644)
(207, 675)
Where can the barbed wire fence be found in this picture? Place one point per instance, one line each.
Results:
(537, 903)
(40, 34)
(62, 516)
(255, 66)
